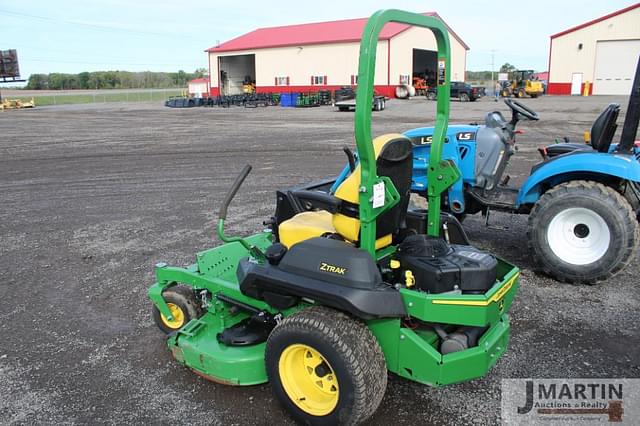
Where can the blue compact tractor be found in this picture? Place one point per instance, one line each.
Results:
(582, 199)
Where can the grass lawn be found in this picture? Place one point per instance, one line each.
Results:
(132, 96)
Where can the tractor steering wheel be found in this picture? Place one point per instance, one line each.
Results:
(518, 108)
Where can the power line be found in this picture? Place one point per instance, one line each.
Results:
(57, 61)
(102, 27)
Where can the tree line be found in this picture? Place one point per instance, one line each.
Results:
(113, 80)
(486, 75)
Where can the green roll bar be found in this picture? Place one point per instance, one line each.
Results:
(441, 174)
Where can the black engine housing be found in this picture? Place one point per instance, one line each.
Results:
(439, 267)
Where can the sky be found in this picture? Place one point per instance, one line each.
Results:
(139, 35)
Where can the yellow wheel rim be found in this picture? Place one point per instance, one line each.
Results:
(308, 380)
(176, 313)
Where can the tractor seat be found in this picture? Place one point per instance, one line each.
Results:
(602, 132)
(394, 159)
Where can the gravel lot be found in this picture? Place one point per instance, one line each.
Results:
(92, 196)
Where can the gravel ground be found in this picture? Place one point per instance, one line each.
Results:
(93, 195)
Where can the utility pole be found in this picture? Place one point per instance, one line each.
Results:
(493, 85)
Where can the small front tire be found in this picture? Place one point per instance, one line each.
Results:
(326, 368)
(183, 306)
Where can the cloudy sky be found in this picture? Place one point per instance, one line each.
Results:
(156, 35)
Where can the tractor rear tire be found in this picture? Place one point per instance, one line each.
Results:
(582, 232)
(630, 195)
(326, 367)
(183, 305)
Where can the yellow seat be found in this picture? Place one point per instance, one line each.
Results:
(311, 224)
(306, 225)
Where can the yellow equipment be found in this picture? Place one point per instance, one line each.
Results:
(522, 85)
(17, 104)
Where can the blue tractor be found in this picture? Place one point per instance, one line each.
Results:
(583, 200)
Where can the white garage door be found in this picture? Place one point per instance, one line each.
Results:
(615, 66)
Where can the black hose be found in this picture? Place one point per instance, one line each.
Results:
(232, 192)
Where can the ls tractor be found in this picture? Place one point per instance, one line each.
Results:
(340, 290)
(583, 199)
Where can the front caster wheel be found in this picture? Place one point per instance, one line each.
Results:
(325, 367)
(183, 306)
(582, 232)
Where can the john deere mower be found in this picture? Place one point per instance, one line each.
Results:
(341, 289)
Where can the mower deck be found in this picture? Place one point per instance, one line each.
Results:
(411, 349)
(196, 346)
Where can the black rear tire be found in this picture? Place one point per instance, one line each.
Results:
(582, 232)
(351, 356)
(464, 97)
(431, 96)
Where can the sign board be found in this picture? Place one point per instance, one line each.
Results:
(442, 71)
(503, 76)
(9, 64)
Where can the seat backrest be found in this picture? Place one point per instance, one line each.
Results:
(394, 159)
(604, 128)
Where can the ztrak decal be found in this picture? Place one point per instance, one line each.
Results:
(333, 269)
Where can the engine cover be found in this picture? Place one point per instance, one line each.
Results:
(439, 267)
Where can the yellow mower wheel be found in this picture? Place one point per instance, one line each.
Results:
(177, 314)
(325, 367)
(308, 380)
(183, 306)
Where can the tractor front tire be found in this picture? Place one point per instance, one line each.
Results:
(582, 232)
(325, 367)
(183, 306)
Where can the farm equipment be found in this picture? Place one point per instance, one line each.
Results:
(522, 85)
(582, 199)
(17, 104)
(338, 291)
(420, 84)
(346, 100)
(248, 85)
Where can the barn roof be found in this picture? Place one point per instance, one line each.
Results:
(344, 31)
(595, 21)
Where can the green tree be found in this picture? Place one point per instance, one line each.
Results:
(507, 67)
(38, 82)
(83, 80)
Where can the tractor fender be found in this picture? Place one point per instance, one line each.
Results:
(597, 166)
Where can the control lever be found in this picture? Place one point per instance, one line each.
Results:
(351, 158)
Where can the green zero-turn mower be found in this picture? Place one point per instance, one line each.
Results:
(345, 285)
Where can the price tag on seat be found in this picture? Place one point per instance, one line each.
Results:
(378, 195)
